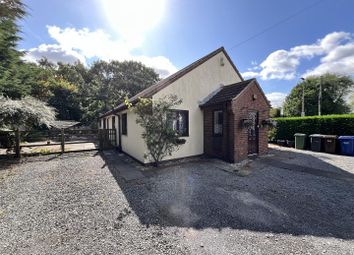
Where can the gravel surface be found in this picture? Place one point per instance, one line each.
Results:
(79, 204)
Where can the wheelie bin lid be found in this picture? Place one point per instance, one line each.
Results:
(330, 136)
(299, 134)
(346, 137)
(316, 135)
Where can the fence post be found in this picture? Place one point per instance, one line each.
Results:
(17, 144)
(62, 141)
(100, 139)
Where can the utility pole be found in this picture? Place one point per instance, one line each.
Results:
(303, 98)
(320, 97)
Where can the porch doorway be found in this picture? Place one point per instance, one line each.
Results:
(218, 141)
(218, 133)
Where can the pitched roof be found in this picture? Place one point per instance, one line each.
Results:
(227, 93)
(148, 92)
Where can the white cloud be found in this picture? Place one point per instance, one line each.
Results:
(280, 64)
(249, 74)
(340, 61)
(336, 49)
(276, 98)
(83, 44)
(53, 53)
(89, 43)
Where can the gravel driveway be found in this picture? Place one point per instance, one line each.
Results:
(80, 204)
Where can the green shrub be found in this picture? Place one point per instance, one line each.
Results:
(326, 125)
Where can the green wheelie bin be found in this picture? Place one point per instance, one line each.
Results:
(300, 141)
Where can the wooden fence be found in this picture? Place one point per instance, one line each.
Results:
(57, 141)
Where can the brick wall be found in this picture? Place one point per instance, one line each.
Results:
(241, 108)
(234, 142)
(219, 146)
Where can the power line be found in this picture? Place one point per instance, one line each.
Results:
(277, 23)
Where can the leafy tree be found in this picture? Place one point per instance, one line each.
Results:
(80, 97)
(133, 77)
(334, 89)
(78, 92)
(160, 138)
(64, 100)
(24, 113)
(55, 89)
(275, 112)
(102, 85)
(10, 62)
(12, 9)
(351, 102)
(113, 81)
(110, 82)
(75, 74)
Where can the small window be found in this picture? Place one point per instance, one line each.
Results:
(104, 123)
(218, 122)
(124, 124)
(113, 122)
(179, 121)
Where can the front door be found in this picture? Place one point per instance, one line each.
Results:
(253, 133)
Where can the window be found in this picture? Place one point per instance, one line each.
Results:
(179, 121)
(124, 124)
(113, 122)
(218, 122)
(104, 123)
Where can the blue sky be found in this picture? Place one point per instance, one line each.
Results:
(170, 34)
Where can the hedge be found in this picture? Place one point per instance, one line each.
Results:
(326, 125)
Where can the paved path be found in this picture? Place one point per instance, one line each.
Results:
(126, 170)
(344, 176)
(318, 160)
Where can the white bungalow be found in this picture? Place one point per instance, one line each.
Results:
(216, 103)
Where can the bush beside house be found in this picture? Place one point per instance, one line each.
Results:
(327, 125)
(157, 120)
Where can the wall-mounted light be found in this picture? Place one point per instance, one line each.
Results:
(254, 97)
